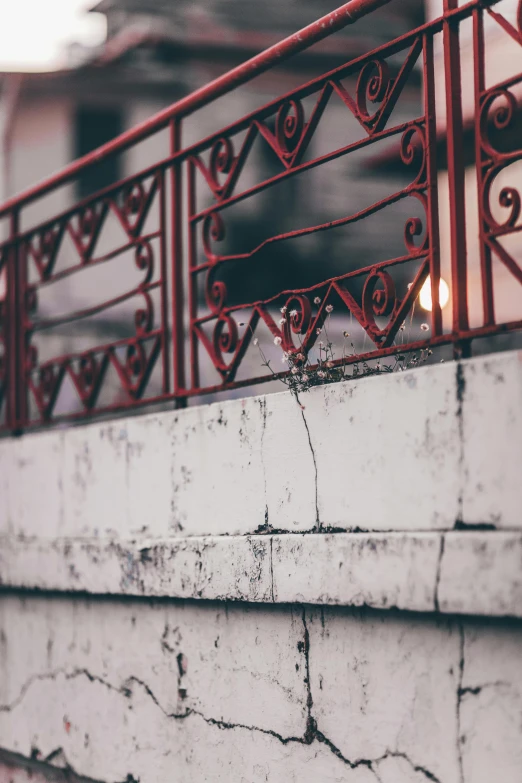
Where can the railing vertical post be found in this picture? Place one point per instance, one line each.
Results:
(178, 330)
(17, 390)
(488, 301)
(166, 385)
(456, 169)
(192, 282)
(433, 193)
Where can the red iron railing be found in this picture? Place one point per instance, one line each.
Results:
(173, 216)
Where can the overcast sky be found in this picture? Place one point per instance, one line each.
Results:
(33, 33)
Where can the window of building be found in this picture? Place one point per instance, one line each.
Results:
(95, 126)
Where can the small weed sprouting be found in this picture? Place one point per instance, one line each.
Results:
(302, 373)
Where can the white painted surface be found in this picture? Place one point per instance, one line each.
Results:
(492, 432)
(203, 692)
(355, 501)
(452, 573)
(398, 452)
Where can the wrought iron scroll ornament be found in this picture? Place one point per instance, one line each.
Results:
(499, 116)
(131, 204)
(374, 84)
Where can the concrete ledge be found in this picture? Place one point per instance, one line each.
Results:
(412, 451)
(471, 573)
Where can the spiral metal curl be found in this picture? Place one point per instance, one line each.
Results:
(213, 231)
(225, 339)
(135, 360)
(88, 367)
(413, 150)
(221, 159)
(144, 317)
(47, 240)
(87, 221)
(289, 126)
(298, 316)
(500, 107)
(373, 85)
(508, 198)
(47, 379)
(378, 301)
(144, 260)
(133, 199)
(414, 227)
(215, 293)
(499, 110)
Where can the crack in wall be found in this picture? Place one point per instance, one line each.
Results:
(438, 574)
(476, 690)
(416, 767)
(311, 734)
(311, 725)
(272, 595)
(262, 404)
(459, 697)
(461, 390)
(302, 409)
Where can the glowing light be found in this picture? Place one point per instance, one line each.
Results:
(425, 295)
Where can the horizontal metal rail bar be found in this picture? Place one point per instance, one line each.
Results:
(307, 166)
(393, 198)
(87, 312)
(336, 20)
(275, 55)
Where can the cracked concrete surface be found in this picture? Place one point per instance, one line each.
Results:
(375, 494)
(316, 483)
(400, 452)
(451, 573)
(261, 695)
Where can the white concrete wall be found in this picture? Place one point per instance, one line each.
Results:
(258, 592)
(395, 452)
(210, 692)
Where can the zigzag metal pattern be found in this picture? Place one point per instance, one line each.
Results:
(88, 371)
(291, 147)
(85, 234)
(131, 204)
(515, 33)
(85, 224)
(226, 338)
(43, 247)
